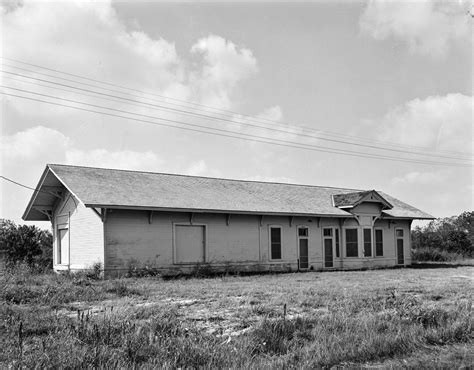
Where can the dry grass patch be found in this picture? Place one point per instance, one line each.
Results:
(285, 320)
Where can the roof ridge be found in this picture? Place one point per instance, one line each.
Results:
(207, 177)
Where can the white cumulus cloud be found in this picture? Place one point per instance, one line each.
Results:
(41, 145)
(89, 39)
(436, 122)
(225, 65)
(32, 144)
(428, 27)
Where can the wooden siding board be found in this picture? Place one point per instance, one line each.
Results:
(131, 239)
(86, 245)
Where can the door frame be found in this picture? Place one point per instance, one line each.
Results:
(397, 238)
(298, 238)
(333, 238)
(57, 243)
(205, 257)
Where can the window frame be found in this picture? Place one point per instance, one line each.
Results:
(270, 243)
(331, 229)
(357, 241)
(375, 242)
(303, 227)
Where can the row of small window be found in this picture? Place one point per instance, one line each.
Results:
(352, 241)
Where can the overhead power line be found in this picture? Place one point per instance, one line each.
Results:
(227, 133)
(161, 108)
(27, 187)
(260, 120)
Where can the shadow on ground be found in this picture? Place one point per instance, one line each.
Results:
(440, 265)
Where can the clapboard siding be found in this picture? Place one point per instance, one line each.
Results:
(86, 240)
(133, 241)
(367, 208)
(238, 241)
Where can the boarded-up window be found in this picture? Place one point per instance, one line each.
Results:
(379, 242)
(189, 244)
(275, 243)
(337, 243)
(367, 242)
(352, 244)
(63, 247)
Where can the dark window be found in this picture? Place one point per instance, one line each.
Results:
(303, 231)
(352, 248)
(337, 242)
(327, 232)
(399, 233)
(275, 240)
(367, 242)
(378, 242)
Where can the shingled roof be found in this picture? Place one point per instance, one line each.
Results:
(109, 188)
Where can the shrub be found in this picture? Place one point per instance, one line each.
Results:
(452, 234)
(434, 254)
(140, 269)
(27, 244)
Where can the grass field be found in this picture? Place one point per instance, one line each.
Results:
(385, 318)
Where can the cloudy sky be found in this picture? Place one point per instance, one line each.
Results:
(363, 95)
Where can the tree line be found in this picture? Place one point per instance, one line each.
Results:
(444, 239)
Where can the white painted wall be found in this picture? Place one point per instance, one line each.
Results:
(131, 240)
(86, 237)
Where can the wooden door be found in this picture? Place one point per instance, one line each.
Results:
(400, 246)
(328, 254)
(304, 258)
(328, 246)
(63, 247)
(400, 256)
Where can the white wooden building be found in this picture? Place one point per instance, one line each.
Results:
(123, 219)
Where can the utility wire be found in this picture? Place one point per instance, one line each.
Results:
(250, 118)
(160, 108)
(239, 115)
(219, 118)
(27, 187)
(182, 123)
(241, 137)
